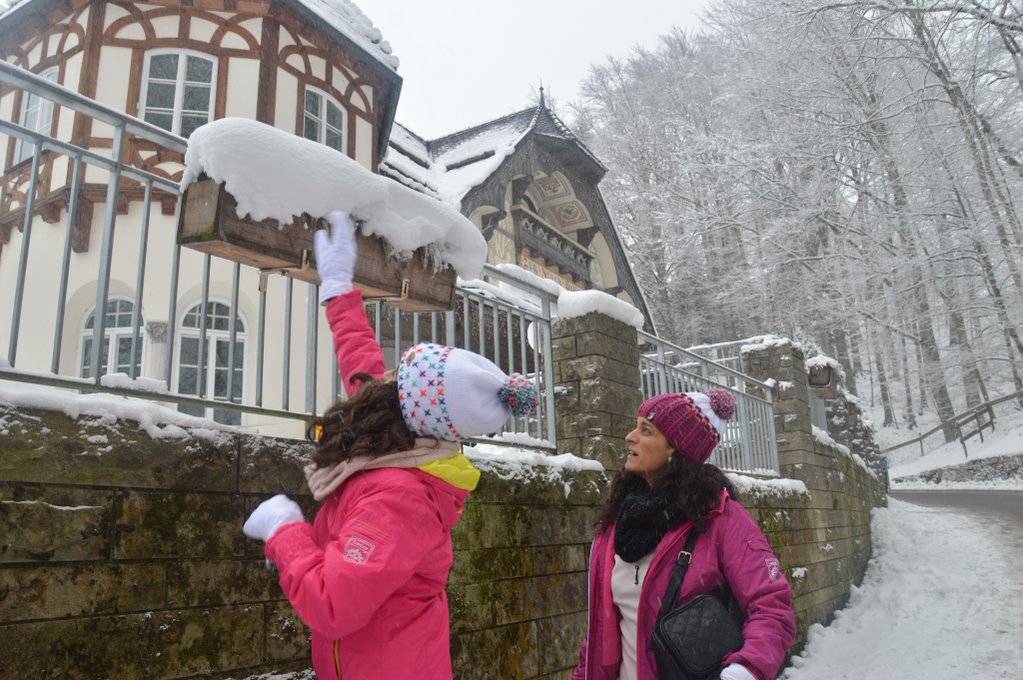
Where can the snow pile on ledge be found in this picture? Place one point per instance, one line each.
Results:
(122, 381)
(576, 303)
(825, 438)
(524, 465)
(762, 342)
(158, 421)
(824, 360)
(275, 174)
(524, 275)
(778, 487)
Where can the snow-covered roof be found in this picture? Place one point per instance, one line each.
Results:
(344, 16)
(273, 173)
(449, 167)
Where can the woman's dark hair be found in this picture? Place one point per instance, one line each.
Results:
(696, 487)
(368, 424)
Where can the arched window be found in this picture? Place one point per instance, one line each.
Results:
(324, 119)
(116, 350)
(177, 94)
(36, 115)
(216, 355)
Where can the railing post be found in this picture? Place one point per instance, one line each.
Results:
(26, 237)
(106, 252)
(65, 265)
(548, 372)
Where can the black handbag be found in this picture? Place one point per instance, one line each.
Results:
(690, 639)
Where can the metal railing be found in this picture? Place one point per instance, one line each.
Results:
(225, 378)
(749, 444)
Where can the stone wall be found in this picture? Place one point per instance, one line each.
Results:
(122, 556)
(823, 538)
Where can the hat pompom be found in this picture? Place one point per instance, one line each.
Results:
(518, 395)
(722, 402)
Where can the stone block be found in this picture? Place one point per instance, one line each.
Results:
(286, 636)
(37, 531)
(179, 525)
(504, 652)
(601, 344)
(272, 466)
(608, 451)
(556, 594)
(59, 591)
(599, 367)
(51, 447)
(148, 645)
(563, 348)
(598, 394)
(594, 322)
(560, 638)
(585, 424)
(210, 583)
(541, 485)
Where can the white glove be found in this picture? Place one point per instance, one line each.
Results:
(335, 256)
(736, 671)
(270, 516)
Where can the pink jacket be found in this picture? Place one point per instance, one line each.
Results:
(368, 576)
(733, 549)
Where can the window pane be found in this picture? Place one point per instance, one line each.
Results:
(197, 98)
(312, 129)
(190, 122)
(160, 95)
(162, 120)
(198, 411)
(187, 383)
(335, 140)
(87, 358)
(312, 103)
(199, 70)
(124, 354)
(189, 352)
(164, 66)
(220, 383)
(227, 417)
(334, 116)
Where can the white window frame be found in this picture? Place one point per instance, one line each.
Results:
(112, 335)
(24, 150)
(179, 85)
(321, 117)
(210, 349)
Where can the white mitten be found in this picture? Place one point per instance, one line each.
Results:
(270, 516)
(335, 256)
(736, 671)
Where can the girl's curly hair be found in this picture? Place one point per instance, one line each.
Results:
(368, 424)
(695, 487)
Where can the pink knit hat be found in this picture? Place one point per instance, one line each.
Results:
(692, 422)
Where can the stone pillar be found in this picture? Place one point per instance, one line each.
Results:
(596, 369)
(781, 363)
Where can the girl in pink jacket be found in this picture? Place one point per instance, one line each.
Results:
(665, 490)
(368, 576)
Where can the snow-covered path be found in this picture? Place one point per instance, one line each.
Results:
(941, 600)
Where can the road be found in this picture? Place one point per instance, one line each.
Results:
(1001, 510)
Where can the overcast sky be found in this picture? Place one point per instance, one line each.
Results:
(464, 62)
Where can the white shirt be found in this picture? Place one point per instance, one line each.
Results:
(626, 585)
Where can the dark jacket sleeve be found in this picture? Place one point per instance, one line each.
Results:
(355, 340)
(761, 589)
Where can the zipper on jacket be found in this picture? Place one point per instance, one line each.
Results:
(637, 573)
(337, 658)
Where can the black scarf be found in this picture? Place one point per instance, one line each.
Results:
(643, 520)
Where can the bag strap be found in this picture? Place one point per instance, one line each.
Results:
(685, 557)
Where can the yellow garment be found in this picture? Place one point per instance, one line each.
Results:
(456, 470)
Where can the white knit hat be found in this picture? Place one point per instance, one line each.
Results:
(450, 393)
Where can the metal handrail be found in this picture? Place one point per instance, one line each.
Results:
(681, 350)
(956, 420)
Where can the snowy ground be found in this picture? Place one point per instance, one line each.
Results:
(940, 601)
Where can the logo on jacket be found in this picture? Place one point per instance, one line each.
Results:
(357, 550)
(773, 568)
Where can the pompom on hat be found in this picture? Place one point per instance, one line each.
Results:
(451, 393)
(692, 422)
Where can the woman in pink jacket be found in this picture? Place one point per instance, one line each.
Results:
(368, 575)
(665, 490)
